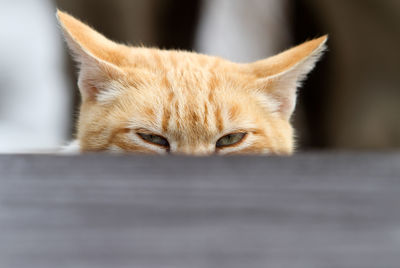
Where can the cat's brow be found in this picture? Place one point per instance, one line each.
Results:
(205, 121)
(218, 119)
(167, 111)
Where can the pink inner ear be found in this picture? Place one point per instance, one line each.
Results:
(93, 91)
(88, 90)
(286, 106)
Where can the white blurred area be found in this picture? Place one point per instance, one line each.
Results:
(243, 30)
(34, 98)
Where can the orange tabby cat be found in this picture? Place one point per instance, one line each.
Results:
(147, 100)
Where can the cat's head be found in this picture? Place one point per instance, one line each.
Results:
(147, 100)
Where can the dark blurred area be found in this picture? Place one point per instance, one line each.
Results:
(350, 101)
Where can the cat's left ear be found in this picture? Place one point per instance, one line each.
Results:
(280, 75)
(98, 57)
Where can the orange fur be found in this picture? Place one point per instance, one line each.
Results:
(190, 99)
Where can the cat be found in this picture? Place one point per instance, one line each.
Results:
(148, 100)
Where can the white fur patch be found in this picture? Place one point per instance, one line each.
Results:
(72, 148)
(110, 91)
(115, 149)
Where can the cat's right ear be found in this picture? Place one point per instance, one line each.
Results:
(97, 56)
(280, 75)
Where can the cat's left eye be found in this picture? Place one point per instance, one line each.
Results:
(230, 139)
(154, 139)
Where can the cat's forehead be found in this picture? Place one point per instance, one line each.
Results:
(184, 73)
(174, 60)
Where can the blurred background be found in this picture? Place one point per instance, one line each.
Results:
(351, 101)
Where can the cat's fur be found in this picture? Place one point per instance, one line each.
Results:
(190, 99)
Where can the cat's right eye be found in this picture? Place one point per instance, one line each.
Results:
(230, 139)
(154, 139)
